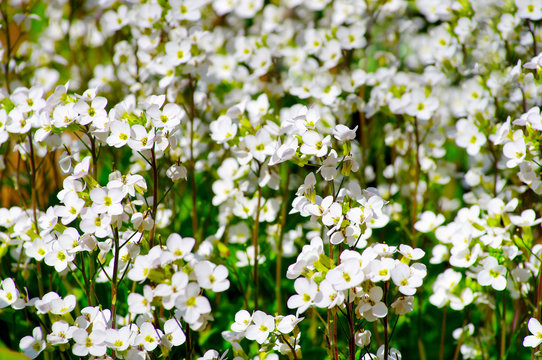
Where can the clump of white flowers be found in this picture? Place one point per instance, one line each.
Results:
(335, 177)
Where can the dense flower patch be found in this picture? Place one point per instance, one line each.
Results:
(250, 179)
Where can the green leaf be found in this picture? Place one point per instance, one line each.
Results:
(7, 354)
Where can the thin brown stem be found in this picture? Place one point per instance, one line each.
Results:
(460, 341)
(351, 338)
(188, 343)
(442, 334)
(414, 209)
(278, 272)
(114, 282)
(532, 29)
(33, 190)
(503, 326)
(538, 312)
(192, 116)
(94, 153)
(8, 49)
(154, 196)
(335, 347)
(386, 338)
(85, 278)
(33, 183)
(255, 232)
(289, 345)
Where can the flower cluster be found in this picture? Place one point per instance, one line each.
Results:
(164, 164)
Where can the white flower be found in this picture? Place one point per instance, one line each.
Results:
(527, 218)
(410, 253)
(242, 321)
(176, 172)
(492, 274)
(64, 115)
(173, 332)
(362, 338)
(105, 200)
(421, 106)
(212, 277)
(345, 276)
(535, 339)
(169, 293)
(287, 323)
(85, 343)
(315, 144)
(247, 8)
(191, 304)
(284, 151)
(428, 221)
(328, 296)
(63, 306)
(371, 306)
(406, 280)
(168, 118)
(180, 247)
(95, 112)
(61, 333)
(120, 339)
(529, 9)
(120, 134)
(469, 137)
(223, 129)
(515, 150)
(33, 345)
(73, 205)
(140, 139)
(403, 305)
(59, 257)
(262, 325)
(260, 145)
(8, 293)
(141, 304)
(81, 169)
(381, 269)
(306, 291)
(94, 223)
(328, 170)
(148, 336)
(501, 134)
(344, 133)
(393, 354)
(178, 52)
(534, 63)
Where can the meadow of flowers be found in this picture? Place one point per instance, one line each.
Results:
(270, 179)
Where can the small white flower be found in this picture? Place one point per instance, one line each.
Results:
(148, 336)
(262, 325)
(306, 292)
(33, 345)
(242, 321)
(8, 293)
(535, 339)
(492, 274)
